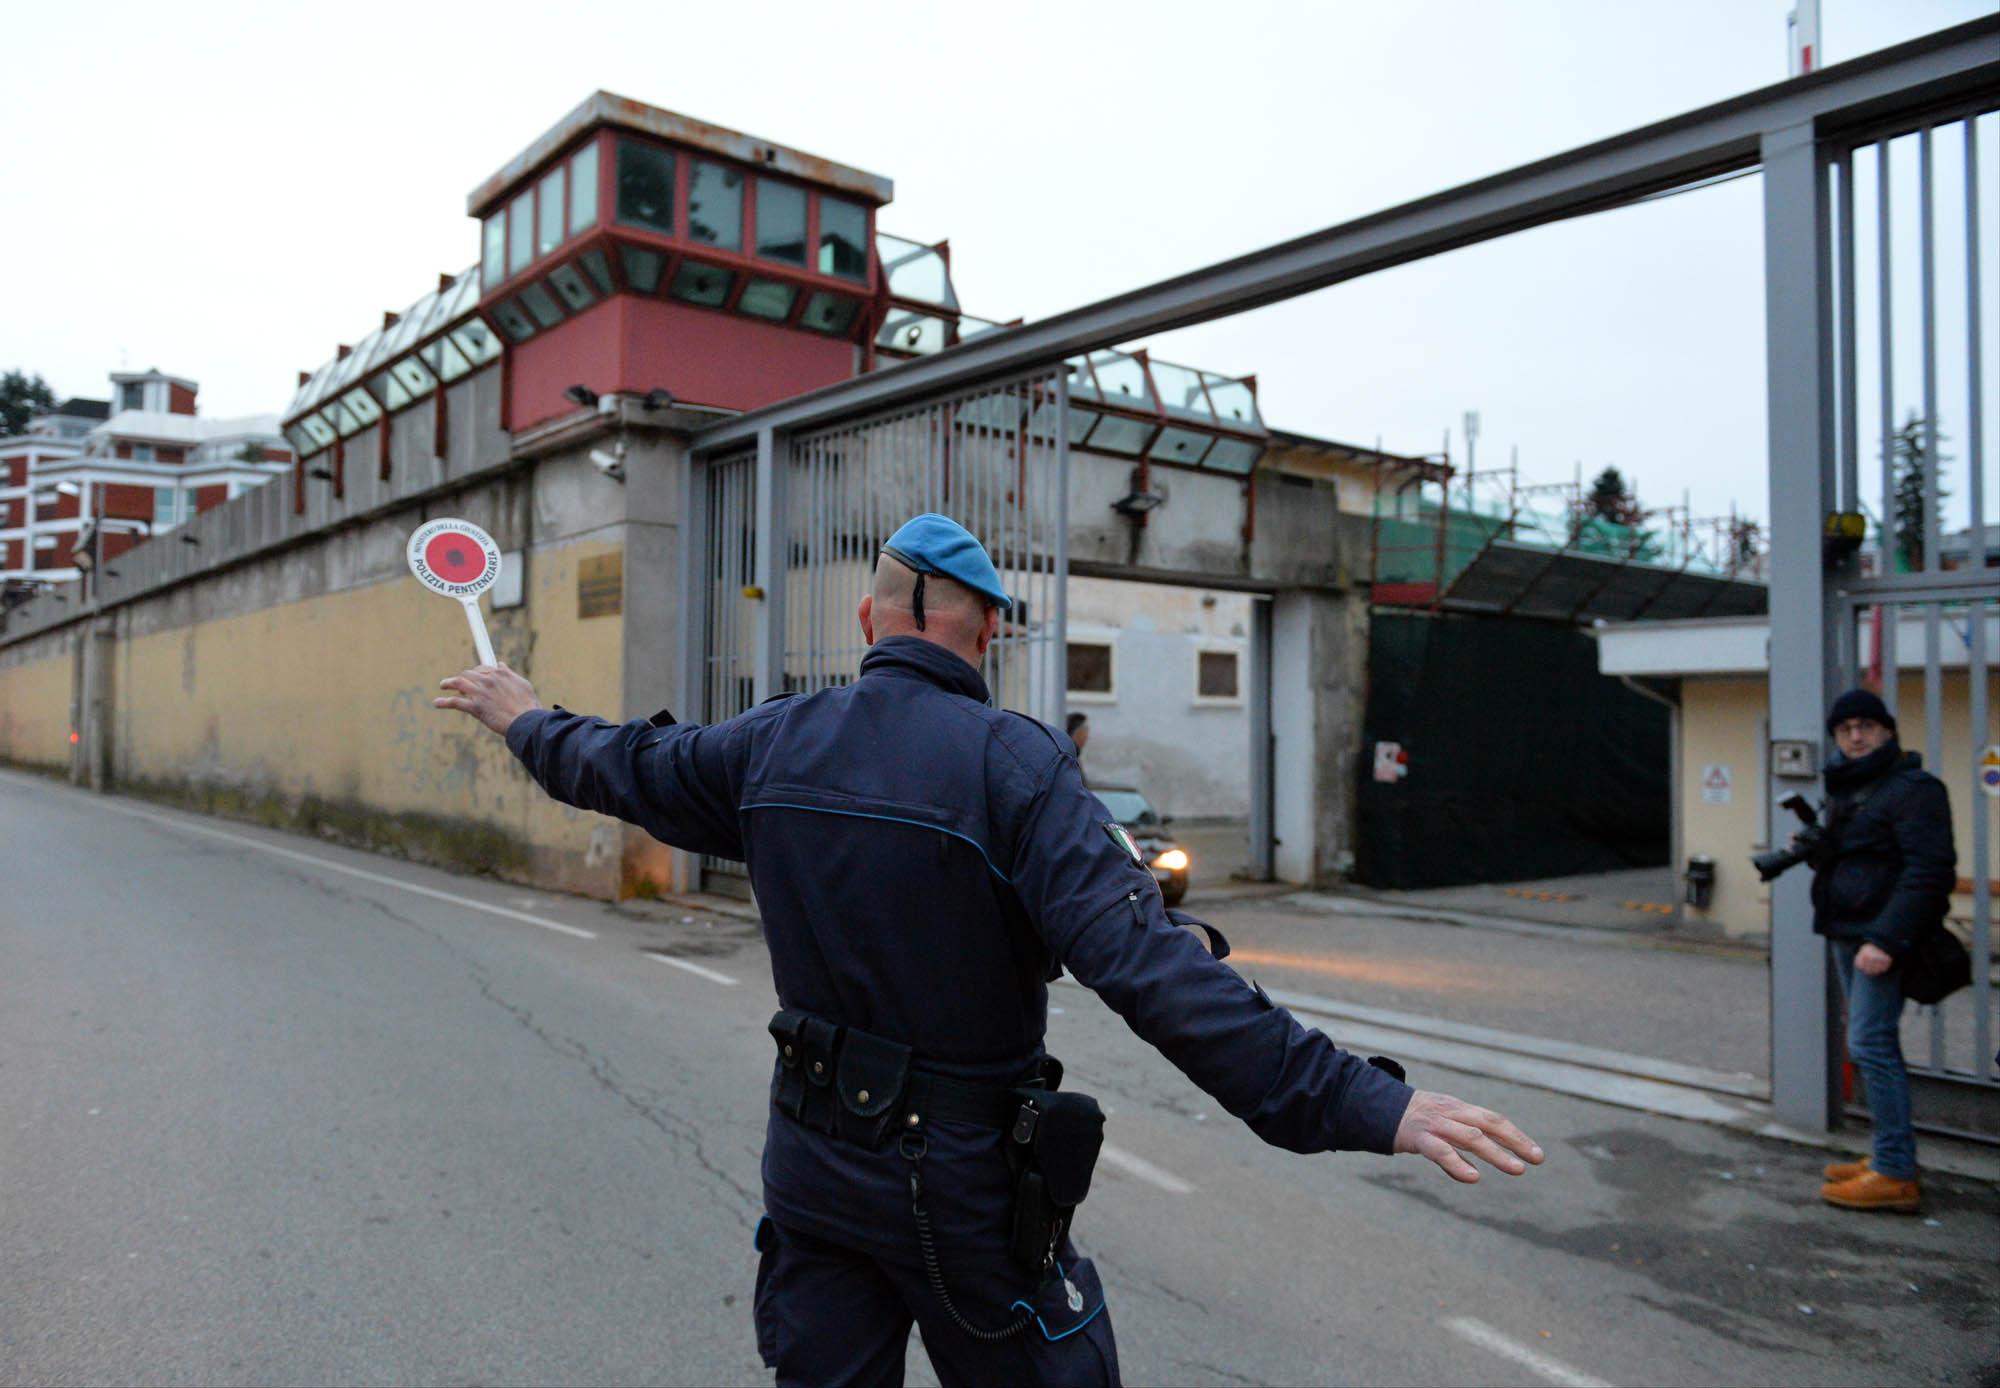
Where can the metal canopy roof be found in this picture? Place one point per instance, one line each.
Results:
(1526, 581)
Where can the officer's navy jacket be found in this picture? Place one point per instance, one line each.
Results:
(924, 863)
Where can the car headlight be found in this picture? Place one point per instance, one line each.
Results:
(1173, 860)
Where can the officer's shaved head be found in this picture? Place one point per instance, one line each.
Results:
(955, 617)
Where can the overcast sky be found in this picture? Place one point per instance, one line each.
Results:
(227, 191)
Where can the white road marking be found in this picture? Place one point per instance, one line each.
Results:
(1144, 1170)
(1548, 1366)
(382, 878)
(696, 969)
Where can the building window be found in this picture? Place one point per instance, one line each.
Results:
(132, 396)
(1091, 668)
(493, 261)
(781, 222)
(169, 508)
(1215, 677)
(521, 232)
(768, 299)
(715, 205)
(843, 239)
(645, 187)
(583, 189)
(142, 453)
(549, 207)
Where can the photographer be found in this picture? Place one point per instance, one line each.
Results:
(1882, 878)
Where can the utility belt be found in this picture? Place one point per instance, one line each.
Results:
(848, 1084)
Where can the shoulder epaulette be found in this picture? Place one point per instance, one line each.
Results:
(1058, 741)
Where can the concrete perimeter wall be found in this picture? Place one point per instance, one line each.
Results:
(287, 679)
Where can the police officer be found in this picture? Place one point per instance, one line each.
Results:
(925, 864)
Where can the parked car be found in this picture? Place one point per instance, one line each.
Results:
(1168, 860)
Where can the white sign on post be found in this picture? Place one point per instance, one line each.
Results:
(1392, 763)
(458, 559)
(1715, 784)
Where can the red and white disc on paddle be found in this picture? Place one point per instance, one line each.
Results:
(459, 560)
(454, 557)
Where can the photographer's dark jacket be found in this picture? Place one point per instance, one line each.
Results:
(1885, 870)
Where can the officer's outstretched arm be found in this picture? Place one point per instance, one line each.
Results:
(673, 782)
(1101, 913)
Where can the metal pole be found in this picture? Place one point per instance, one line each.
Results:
(1262, 772)
(693, 612)
(1059, 624)
(1797, 346)
(1892, 670)
(1977, 655)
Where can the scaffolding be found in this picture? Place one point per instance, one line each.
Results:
(1487, 542)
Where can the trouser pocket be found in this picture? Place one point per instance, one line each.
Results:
(762, 1311)
(1070, 1341)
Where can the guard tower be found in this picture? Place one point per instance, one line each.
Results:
(632, 249)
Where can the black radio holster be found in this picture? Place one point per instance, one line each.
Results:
(836, 1080)
(1053, 1145)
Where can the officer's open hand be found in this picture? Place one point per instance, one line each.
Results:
(1445, 1130)
(493, 694)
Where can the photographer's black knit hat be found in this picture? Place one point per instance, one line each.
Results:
(1859, 703)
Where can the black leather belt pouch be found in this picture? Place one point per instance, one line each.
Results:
(1059, 1146)
(821, 1048)
(807, 1050)
(869, 1082)
(788, 1085)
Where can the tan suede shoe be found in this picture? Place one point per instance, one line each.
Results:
(1871, 1190)
(1844, 1170)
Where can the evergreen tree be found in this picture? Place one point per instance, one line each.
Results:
(22, 397)
(1908, 447)
(1611, 497)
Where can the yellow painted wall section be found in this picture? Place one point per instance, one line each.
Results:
(1722, 727)
(35, 710)
(330, 698)
(1721, 723)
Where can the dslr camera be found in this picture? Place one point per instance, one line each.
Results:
(1777, 861)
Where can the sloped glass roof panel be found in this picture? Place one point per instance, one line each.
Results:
(478, 341)
(915, 271)
(970, 327)
(1175, 445)
(1233, 455)
(318, 430)
(1122, 381)
(1180, 391)
(1235, 402)
(430, 314)
(371, 351)
(311, 390)
(912, 332)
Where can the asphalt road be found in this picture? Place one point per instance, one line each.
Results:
(276, 1112)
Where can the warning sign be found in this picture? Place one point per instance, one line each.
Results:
(1716, 784)
(1989, 771)
(1392, 763)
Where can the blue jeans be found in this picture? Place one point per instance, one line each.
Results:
(1875, 1045)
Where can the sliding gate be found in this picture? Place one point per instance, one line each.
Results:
(1916, 388)
(780, 618)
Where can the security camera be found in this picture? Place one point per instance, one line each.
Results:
(611, 464)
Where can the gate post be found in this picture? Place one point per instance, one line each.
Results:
(1804, 643)
(773, 559)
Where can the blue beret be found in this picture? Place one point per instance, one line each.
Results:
(934, 544)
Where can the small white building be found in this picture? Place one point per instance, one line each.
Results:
(1721, 742)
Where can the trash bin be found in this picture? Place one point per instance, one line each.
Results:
(1700, 881)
